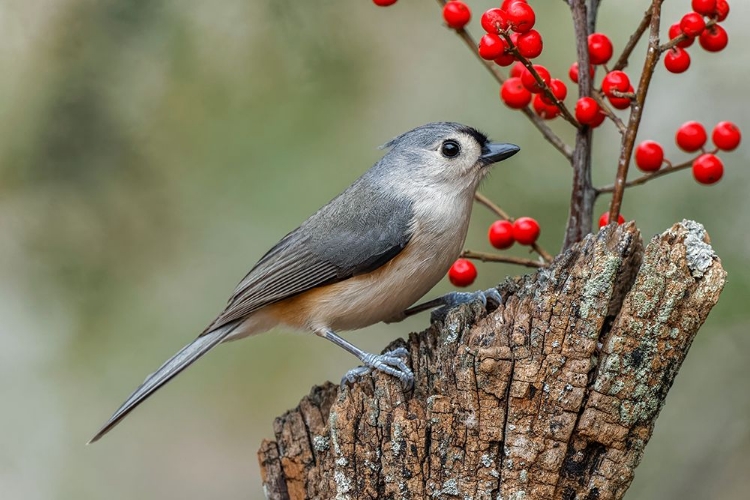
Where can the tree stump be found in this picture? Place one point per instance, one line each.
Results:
(553, 395)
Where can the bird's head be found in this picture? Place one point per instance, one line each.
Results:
(444, 152)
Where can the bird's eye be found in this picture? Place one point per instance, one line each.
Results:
(450, 148)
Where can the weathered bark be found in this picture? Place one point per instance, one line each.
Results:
(553, 395)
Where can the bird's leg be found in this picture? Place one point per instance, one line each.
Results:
(452, 299)
(390, 362)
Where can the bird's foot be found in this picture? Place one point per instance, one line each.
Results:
(389, 362)
(489, 297)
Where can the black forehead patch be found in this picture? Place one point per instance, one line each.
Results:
(476, 134)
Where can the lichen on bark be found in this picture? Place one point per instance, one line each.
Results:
(553, 395)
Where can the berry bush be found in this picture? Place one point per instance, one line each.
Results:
(606, 96)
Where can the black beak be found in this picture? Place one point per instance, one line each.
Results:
(493, 153)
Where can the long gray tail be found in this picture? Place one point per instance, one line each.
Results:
(166, 372)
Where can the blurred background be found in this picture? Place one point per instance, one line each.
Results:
(152, 151)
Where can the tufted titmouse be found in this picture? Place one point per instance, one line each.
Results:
(365, 257)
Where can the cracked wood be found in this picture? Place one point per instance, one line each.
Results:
(553, 395)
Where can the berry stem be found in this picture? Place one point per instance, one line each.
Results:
(648, 177)
(679, 39)
(622, 62)
(609, 113)
(496, 257)
(495, 71)
(628, 140)
(482, 199)
(542, 84)
(583, 194)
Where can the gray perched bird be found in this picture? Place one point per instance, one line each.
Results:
(365, 257)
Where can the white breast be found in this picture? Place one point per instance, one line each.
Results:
(437, 240)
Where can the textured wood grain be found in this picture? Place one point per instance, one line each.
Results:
(553, 395)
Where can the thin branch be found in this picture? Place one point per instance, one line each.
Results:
(647, 177)
(546, 90)
(628, 140)
(508, 259)
(583, 195)
(624, 95)
(497, 74)
(680, 38)
(480, 198)
(593, 12)
(622, 62)
(608, 112)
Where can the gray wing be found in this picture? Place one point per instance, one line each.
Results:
(336, 243)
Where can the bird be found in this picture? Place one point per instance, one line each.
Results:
(365, 257)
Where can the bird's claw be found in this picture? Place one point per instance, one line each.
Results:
(389, 362)
(489, 298)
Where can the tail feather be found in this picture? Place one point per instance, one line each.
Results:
(166, 372)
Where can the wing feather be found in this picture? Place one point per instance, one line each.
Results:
(334, 244)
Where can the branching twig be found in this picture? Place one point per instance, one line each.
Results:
(494, 208)
(547, 132)
(622, 62)
(583, 195)
(628, 140)
(678, 39)
(546, 90)
(504, 215)
(647, 177)
(608, 112)
(496, 257)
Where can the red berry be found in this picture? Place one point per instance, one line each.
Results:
(708, 169)
(494, 21)
(677, 60)
(598, 120)
(462, 273)
(528, 80)
(517, 70)
(714, 38)
(705, 7)
(505, 60)
(514, 94)
(587, 110)
(692, 24)
(600, 48)
(722, 10)
(526, 230)
(506, 3)
(384, 3)
(621, 102)
(521, 17)
(675, 31)
(604, 219)
(456, 14)
(726, 136)
(501, 234)
(491, 46)
(573, 71)
(615, 80)
(546, 111)
(649, 156)
(530, 44)
(691, 136)
(559, 90)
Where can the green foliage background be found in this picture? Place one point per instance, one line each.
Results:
(151, 151)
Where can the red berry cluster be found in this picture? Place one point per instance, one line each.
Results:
(711, 36)
(692, 137)
(513, 21)
(502, 235)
